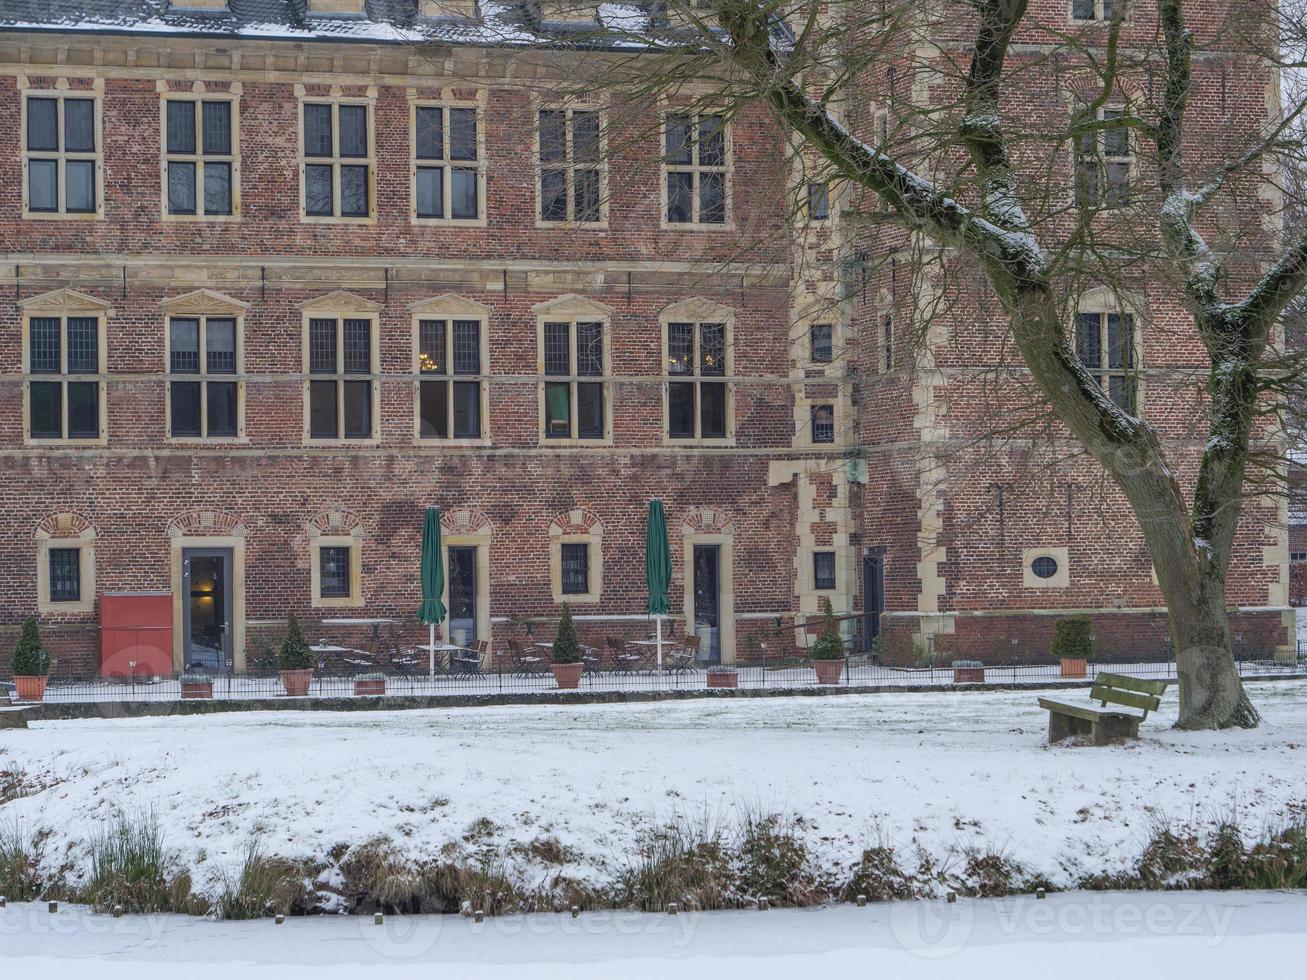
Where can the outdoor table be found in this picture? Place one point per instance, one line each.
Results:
(445, 648)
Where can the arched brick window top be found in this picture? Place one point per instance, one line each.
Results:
(335, 522)
(206, 522)
(706, 520)
(67, 524)
(576, 521)
(465, 521)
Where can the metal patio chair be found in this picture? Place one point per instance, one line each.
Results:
(525, 664)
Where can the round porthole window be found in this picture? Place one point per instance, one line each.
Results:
(1044, 566)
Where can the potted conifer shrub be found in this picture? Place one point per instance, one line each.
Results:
(295, 660)
(827, 651)
(1073, 645)
(567, 653)
(721, 676)
(31, 663)
(196, 686)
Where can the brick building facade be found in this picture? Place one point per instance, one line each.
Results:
(282, 275)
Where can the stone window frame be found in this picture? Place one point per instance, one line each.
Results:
(198, 94)
(573, 309)
(804, 370)
(445, 101)
(337, 98)
(727, 169)
(353, 540)
(698, 311)
(576, 533)
(1103, 301)
(203, 305)
(569, 106)
(62, 304)
(341, 306)
(450, 307)
(61, 91)
(1103, 159)
(1101, 14)
(1061, 579)
(817, 585)
(814, 191)
(84, 542)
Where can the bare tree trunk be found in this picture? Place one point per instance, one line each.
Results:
(1211, 694)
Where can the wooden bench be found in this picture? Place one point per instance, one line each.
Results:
(1101, 723)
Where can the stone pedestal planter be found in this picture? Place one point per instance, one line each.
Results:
(828, 671)
(723, 678)
(31, 688)
(369, 685)
(968, 672)
(296, 682)
(567, 676)
(196, 687)
(1074, 668)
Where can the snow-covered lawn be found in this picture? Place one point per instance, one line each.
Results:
(1071, 936)
(945, 770)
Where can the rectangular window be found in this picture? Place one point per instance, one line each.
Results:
(574, 392)
(62, 354)
(820, 343)
(823, 570)
(571, 166)
(449, 385)
(447, 165)
(1091, 10)
(333, 572)
(823, 423)
(697, 405)
(1297, 556)
(65, 574)
(695, 165)
(340, 385)
(819, 201)
(1104, 163)
(576, 567)
(1105, 344)
(337, 160)
(202, 388)
(198, 156)
(61, 154)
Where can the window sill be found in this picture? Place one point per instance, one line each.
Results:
(191, 219)
(453, 443)
(372, 441)
(63, 215)
(338, 602)
(46, 607)
(671, 443)
(207, 440)
(577, 598)
(72, 443)
(582, 226)
(547, 442)
(322, 219)
(447, 222)
(695, 226)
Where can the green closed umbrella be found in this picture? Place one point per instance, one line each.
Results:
(432, 610)
(657, 568)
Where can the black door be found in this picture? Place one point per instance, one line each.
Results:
(206, 585)
(873, 594)
(463, 596)
(707, 601)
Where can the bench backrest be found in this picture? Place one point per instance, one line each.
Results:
(1131, 692)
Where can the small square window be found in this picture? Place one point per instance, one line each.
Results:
(1298, 556)
(576, 568)
(333, 572)
(823, 570)
(65, 574)
(819, 201)
(823, 423)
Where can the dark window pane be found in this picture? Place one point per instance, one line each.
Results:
(43, 185)
(317, 130)
(319, 197)
(354, 191)
(712, 198)
(712, 350)
(221, 399)
(553, 136)
(358, 409)
(585, 137)
(586, 184)
(217, 188)
(1121, 389)
(353, 131)
(819, 201)
(185, 396)
(1087, 183)
(462, 134)
(823, 423)
(322, 346)
(433, 409)
(83, 410)
(467, 347)
(590, 349)
(220, 345)
(44, 345)
(1116, 138)
(557, 352)
(1082, 9)
(358, 346)
(65, 574)
(1118, 185)
(181, 187)
(181, 126)
(712, 141)
(1120, 341)
(217, 128)
(680, 348)
(680, 187)
(558, 410)
(430, 136)
(184, 346)
(1107, 9)
(712, 411)
(553, 195)
(463, 193)
(333, 572)
(43, 124)
(823, 570)
(680, 410)
(83, 345)
(589, 410)
(322, 410)
(46, 409)
(576, 567)
(822, 349)
(431, 192)
(467, 410)
(1089, 340)
(431, 347)
(678, 139)
(79, 125)
(79, 178)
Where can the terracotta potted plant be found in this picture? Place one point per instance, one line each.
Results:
(968, 672)
(295, 660)
(827, 651)
(370, 685)
(720, 676)
(31, 663)
(567, 653)
(1073, 645)
(196, 686)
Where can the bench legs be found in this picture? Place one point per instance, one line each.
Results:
(1103, 731)
(1064, 726)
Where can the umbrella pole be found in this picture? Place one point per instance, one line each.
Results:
(431, 650)
(659, 620)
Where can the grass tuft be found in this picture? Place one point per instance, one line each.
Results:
(131, 866)
(265, 886)
(21, 854)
